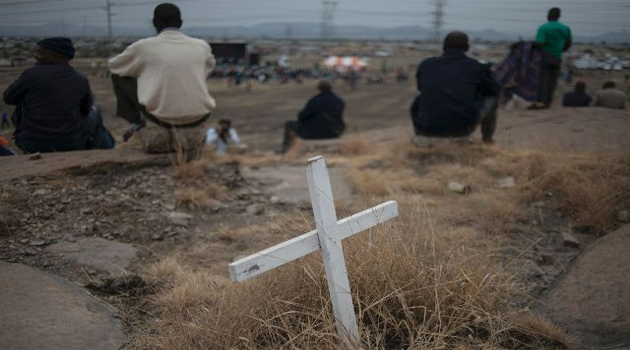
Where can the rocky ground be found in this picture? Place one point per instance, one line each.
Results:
(96, 219)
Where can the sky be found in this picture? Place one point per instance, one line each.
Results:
(586, 17)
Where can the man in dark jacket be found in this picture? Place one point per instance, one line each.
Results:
(52, 99)
(322, 118)
(456, 94)
(578, 97)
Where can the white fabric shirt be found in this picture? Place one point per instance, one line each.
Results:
(212, 138)
(172, 69)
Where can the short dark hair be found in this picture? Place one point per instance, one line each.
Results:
(580, 86)
(167, 15)
(554, 13)
(456, 40)
(609, 85)
(226, 122)
(324, 86)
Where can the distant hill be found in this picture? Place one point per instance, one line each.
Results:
(301, 30)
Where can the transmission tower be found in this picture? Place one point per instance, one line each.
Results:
(438, 22)
(328, 16)
(108, 8)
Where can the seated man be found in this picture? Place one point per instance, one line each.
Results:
(578, 97)
(53, 101)
(223, 136)
(610, 97)
(322, 118)
(160, 84)
(456, 94)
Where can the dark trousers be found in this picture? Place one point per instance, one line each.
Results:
(549, 74)
(127, 105)
(93, 136)
(30, 145)
(308, 131)
(488, 116)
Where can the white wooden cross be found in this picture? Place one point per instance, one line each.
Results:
(328, 236)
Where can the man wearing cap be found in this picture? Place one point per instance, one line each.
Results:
(52, 101)
(160, 84)
(321, 118)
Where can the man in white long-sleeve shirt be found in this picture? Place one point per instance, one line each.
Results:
(160, 84)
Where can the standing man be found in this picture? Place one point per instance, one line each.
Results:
(457, 93)
(52, 101)
(553, 38)
(160, 84)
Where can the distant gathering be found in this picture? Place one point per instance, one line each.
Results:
(161, 89)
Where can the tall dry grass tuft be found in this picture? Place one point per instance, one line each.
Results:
(356, 146)
(589, 189)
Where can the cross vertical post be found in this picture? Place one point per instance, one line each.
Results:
(332, 250)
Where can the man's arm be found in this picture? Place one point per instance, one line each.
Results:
(489, 85)
(418, 78)
(15, 93)
(568, 41)
(307, 112)
(234, 136)
(541, 38)
(87, 101)
(128, 63)
(211, 61)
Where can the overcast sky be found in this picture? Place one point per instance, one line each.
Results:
(586, 17)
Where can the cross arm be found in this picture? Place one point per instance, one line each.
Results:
(300, 246)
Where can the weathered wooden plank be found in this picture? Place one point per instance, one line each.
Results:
(332, 250)
(300, 246)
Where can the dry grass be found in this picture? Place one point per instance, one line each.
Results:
(356, 146)
(413, 286)
(590, 189)
(437, 277)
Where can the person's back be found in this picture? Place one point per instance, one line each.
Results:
(322, 114)
(578, 97)
(452, 92)
(161, 86)
(171, 69)
(321, 118)
(553, 37)
(610, 97)
(52, 101)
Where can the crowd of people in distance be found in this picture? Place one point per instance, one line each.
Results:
(161, 88)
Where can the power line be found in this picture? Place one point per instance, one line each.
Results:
(328, 16)
(438, 22)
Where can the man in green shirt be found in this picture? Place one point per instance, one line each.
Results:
(553, 38)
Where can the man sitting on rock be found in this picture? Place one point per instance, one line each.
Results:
(578, 97)
(321, 118)
(160, 84)
(457, 93)
(610, 97)
(53, 103)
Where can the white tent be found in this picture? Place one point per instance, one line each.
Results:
(345, 63)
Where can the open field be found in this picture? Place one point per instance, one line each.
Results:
(454, 271)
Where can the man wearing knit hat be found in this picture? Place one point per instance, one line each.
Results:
(52, 101)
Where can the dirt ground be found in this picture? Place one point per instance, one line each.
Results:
(152, 204)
